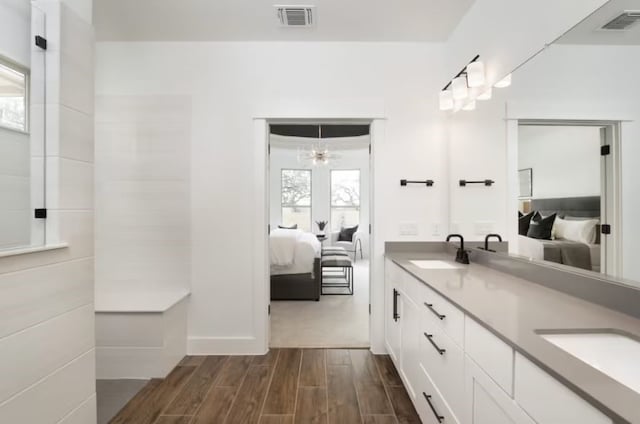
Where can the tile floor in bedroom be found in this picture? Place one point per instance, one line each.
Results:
(333, 322)
(285, 386)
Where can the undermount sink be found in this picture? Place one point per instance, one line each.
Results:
(613, 354)
(434, 264)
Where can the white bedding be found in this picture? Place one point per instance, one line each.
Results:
(293, 251)
(534, 249)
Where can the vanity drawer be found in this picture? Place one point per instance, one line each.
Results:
(493, 355)
(548, 401)
(443, 360)
(430, 404)
(443, 314)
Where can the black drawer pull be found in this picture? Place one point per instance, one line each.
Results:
(440, 418)
(430, 338)
(436, 313)
(396, 316)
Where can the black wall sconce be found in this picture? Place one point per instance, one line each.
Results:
(488, 183)
(428, 183)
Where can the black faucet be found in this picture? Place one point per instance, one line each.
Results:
(462, 255)
(486, 241)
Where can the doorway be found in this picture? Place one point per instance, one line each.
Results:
(567, 183)
(319, 199)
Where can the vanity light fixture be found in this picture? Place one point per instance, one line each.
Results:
(485, 95)
(446, 100)
(459, 87)
(475, 74)
(504, 82)
(470, 105)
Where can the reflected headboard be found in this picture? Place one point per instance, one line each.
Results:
(583, 207)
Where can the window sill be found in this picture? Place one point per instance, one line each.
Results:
(34, 249)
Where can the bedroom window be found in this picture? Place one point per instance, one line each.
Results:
(345, 198)
(296, 198)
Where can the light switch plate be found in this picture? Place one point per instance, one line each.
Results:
(484, 227)
(408, 228)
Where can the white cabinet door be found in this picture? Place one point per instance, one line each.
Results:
(392, 322)
(486, 402)
(410, 343)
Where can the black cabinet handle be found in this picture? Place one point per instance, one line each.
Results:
(430, 338)
(436, 313)
(396, 316)
(440, 418)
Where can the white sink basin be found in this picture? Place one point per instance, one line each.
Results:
(435, 264)
(613, 354)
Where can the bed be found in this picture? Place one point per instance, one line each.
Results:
(296, 272)
(565, 251)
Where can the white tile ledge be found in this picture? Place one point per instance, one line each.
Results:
(32, 249)
(138, 302)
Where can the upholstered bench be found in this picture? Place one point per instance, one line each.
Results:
(337, 259)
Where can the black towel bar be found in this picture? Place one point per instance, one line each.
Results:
(487, 183)
(429, 183)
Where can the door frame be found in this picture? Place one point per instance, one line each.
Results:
(610, 187)
(348, 110)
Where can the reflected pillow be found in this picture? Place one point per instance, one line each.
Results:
(523, 223)
(346, 234)
(581, 231)
(541, 228)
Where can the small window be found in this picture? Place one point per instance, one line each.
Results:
(296, 198)
(345, 198)
(13, 97)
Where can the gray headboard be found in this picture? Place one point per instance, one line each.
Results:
(583, 207)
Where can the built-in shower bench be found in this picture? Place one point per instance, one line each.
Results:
(140, 335)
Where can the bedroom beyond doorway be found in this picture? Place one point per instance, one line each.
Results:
(319, 235)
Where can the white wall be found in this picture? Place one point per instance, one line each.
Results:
(565, 161)
(231, 83)
(282, 158)
(565, 82)
(46, 298)
(142, 194)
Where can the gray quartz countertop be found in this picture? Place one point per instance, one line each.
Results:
(514, 309)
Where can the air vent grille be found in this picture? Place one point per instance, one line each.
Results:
(623, 21)
(295, 16)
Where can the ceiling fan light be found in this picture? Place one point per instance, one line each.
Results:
(504, 82)
(475, 74)
(485, 95)
(446, 100)
(459, 88)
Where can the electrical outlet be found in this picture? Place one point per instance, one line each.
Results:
(484, 227)
(455, 228)
(436, 230)
(408, 228)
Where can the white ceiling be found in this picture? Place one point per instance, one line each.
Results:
(255, 20)
(588, 31)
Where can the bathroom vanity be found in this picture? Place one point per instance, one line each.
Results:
(474, 344)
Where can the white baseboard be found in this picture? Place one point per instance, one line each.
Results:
(224, 346)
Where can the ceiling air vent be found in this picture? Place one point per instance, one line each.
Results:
(296, 16)
(623, 21)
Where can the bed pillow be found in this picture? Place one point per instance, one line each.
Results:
(541, 228)
(523, 223)
(284, 227)
(346, 234)
(581, 231)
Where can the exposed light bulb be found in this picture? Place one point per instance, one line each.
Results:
(475, 74)
(485, 95)
(504, 82)
(459, 88)
(470, 105)
(446, 100)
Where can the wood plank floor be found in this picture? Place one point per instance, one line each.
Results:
(285, 386)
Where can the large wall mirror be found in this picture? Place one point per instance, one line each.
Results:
(572, 120)
(22, 123)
